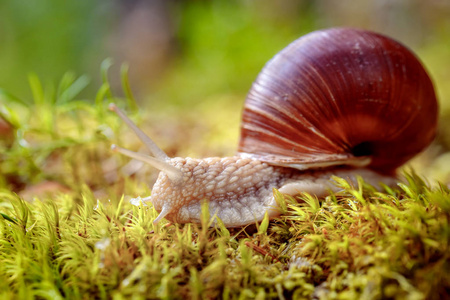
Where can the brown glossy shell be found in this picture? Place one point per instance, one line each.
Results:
(340, 96)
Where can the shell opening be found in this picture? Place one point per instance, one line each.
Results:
(362, 149)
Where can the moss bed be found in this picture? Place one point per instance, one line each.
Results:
(355, 244)
(68, 232)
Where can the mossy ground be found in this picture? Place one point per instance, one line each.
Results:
(355, 244)
(67, 231)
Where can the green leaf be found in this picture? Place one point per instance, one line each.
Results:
(36, 89)
(264, 225)
(104, 68)
(127, 88)
(8, 218)
(69, 89)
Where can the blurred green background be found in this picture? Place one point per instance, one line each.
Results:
(186, 51)
(197, 59)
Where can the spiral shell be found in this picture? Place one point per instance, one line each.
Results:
(340, 96)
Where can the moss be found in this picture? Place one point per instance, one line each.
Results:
(385, 247)
(87, 241)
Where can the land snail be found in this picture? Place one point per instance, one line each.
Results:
(340, 101)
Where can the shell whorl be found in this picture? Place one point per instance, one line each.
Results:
(338, 96)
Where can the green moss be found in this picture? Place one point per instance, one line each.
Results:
(86, 240)
(390, 246)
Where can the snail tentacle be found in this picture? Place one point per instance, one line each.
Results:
(172, 172)
(164, 212)
(148, 142)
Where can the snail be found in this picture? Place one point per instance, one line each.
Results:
(339, 101)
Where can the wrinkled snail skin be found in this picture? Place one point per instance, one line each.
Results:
(340, 101)
(240, 190)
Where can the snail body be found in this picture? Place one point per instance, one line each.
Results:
(240, 190)
(342, 102)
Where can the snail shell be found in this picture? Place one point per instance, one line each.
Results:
(340, 96)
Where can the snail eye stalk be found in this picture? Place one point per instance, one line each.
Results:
(174, 174)
(160, 159)
(148, 142)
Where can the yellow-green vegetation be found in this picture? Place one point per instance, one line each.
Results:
(68, 232)
(358, 243)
